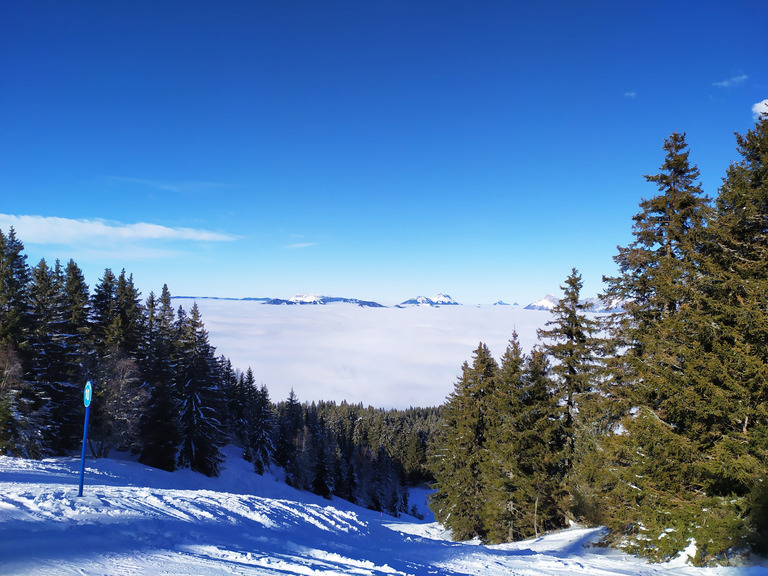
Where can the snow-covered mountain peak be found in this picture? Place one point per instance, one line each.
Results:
(418, 301)
(308, 299)
(547, 303)
(444, 300)
(596, 305)
(437, 300)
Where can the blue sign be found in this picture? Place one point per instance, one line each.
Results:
(87, 401)
(87, 394)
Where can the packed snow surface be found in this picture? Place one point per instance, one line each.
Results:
(134, 520)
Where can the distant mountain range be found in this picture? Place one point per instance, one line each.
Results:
(548, 302)
(438, 300)
(311, 299)
(595, 304)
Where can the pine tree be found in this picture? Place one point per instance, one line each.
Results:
(570, 341)
(201, 430)
(104, 316)
(677, 467)
(457, 453)
(130, 315)
(540, 439)
(160, 422)
(50, 363)
(23, 407)
(499, 464)
(731, 405)
(76, 322)
(14, 282)
(658, 273)
(260, 428)
(290, 422)
(322, 458)
(524, 450)
(231, 381)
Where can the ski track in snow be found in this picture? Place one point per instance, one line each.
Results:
(133, 520)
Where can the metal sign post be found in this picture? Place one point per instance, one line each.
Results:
(87, 393)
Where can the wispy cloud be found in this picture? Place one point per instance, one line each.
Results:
(55, 230)
(183, 186)
(731, 81)
(759, 109)
(630, 94)
(298, 245)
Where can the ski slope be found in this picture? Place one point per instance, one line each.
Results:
(136, 520)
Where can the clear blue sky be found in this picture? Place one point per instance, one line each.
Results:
(373, 149)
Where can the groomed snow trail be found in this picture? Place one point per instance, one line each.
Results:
(133, 520)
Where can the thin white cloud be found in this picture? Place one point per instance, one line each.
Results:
(55, 230)
(298, 245)
(180, 186)
(761, 108)
(731, 81)
(630, 94)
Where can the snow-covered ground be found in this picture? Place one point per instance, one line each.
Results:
(136, 520)
(383, 357)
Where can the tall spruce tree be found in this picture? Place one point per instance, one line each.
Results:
(76, 321)
(120, 398)
(499, 462)
(104, 315)
(14, 280)
(676, 468)
(524, 462)
(50, 363)
(733, 413)
(570, 340)
(290, 422)
(458, 451)
(130, 316)
(202, 402)
(160, 422)
(261, 426)
(658, 272)
(23, 417)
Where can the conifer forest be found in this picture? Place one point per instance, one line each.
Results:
(651, 421)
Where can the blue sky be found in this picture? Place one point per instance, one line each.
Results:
(377, 150)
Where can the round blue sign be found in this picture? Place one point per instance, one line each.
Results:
(87, 394)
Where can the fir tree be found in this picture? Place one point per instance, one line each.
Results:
(104, 316)
(14, 282)
(570, 341)
(291, 420)
(160, 422)
(657, 278)
(677, 467)
(196, 381)
(76, 321)
(499, 464)
(23, 407)
(231, 381)
(261, 429)
(130, 315)
(523, 465)
(50, 363)
(244, 410)
(457, 453)
(730, 407)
